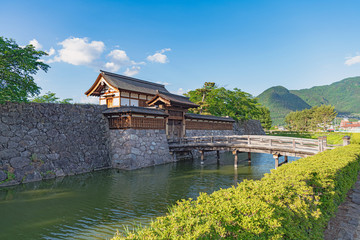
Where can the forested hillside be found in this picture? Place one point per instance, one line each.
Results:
(281, 101)
(344, 95)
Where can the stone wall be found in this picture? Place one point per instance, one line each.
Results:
(250, 127)
(135, 148)
(192, 133)
(42, 141)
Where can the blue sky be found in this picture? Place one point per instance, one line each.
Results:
(251, 45)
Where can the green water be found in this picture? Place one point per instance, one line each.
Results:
(95, 205)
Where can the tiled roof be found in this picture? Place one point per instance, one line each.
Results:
(208, 117)
(175, 99)
(133, 109)
(132, 84)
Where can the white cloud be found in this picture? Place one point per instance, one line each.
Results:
(132, 71)
(119, 59)
(36, 44)
(159, 57)
(91, 100)
(79, 51)
(51, 52)
(164, 83)
(352, 60)
(119, 55)
(111, 66)
(180, 91)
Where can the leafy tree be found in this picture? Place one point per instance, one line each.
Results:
(264, 117)
(223, 102)
(316, 118)
(50, 97)
(199, 96)
(17, 65)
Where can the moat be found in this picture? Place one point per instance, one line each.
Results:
(95, 205)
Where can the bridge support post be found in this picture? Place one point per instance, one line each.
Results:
(276, 157)
(235, 153)
(286, 159)
(218, 156)
(249, 158)
(346, 140)
(202, 156)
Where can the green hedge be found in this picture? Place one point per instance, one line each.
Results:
(293, 202)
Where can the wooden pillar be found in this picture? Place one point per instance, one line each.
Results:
(320, 144)
(276, 157)
(218, 156)
(346, 140)
(183, 125)
(286, 159)
(202, 156)
(249, 158)
(167, 124)
(235, 153)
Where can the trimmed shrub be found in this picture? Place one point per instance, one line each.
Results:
(293, 202)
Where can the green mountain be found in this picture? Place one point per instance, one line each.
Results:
(281, 101)
(344, 95)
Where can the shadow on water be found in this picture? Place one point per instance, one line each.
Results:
(95, 205)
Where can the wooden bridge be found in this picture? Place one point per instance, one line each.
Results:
(275, 145)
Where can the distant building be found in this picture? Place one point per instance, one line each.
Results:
(347, 125)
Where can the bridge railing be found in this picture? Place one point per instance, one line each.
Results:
(317, 145)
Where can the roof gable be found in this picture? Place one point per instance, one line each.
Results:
(122, 82)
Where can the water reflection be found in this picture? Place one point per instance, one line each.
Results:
(94, 205)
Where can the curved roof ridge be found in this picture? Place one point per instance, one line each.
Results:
(131, 78)
(169, 93)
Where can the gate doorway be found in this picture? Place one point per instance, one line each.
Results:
(175, 128)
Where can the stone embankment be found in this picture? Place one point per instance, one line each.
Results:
(135, 148)
(42, 141)
(346, 223)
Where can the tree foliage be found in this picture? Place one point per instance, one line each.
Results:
(218, 101)
(316, 118)
(17, 67)
(50, 97)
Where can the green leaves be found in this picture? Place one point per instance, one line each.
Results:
(50, 97)
(233, 103)
(311, 119)
(293, 202)
(17, 65)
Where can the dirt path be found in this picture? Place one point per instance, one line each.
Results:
(346, 224)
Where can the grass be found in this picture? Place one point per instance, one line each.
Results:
(332, 137)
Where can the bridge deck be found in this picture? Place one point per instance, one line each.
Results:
(275, 145)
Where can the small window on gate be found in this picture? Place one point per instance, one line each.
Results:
(109, 102)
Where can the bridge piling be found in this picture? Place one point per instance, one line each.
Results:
(249, 158)
(285, 159)
(276, 157)
(202, 156)
(218, 156)
(346, 140)
(235, 153)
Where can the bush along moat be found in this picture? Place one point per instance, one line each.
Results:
(296, 201)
